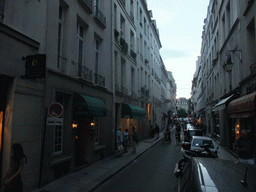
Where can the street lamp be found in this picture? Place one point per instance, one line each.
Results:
(228, 64)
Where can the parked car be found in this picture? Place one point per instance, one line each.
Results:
(192, 132)
(207, 174)
(198, 141)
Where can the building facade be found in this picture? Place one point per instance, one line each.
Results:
(228, 70)
(71, 73)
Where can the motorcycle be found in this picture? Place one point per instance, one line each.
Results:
(188, 154)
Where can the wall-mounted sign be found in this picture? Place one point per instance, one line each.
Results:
(55, 109)
(35, 66)
(54, 121)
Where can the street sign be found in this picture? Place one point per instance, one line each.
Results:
(55, 109)
(54, 121)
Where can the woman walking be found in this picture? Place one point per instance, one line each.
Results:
(13, 181)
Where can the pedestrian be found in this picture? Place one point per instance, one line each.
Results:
(245, 148)
(119, 139)
(12, 181)
(157, 131)
(126, 140)
(135, 142)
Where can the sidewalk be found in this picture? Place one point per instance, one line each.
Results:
(89, 178)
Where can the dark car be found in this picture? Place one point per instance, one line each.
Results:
(192, 132)
(207, 174)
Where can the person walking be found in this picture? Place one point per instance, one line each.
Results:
(126, 140)
(12, 181)
(119, 139)
(134, 140)
(245, 148)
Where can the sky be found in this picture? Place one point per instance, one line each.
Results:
(180, 24)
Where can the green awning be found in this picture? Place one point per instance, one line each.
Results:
(131, 111)
(85, 105)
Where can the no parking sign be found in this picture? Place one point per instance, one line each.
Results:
(55, 109)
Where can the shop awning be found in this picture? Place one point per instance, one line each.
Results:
(131, 111)
(221, 105)
(85, 105)
(242, 107)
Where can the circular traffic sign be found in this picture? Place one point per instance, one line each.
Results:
(55, 109)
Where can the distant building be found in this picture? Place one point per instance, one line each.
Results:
(182, 103)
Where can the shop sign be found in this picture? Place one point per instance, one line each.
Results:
(54, 121)
(35, 66)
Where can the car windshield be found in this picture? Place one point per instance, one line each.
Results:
(195, 133)
(200, 142)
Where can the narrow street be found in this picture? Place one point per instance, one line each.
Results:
(153, 171)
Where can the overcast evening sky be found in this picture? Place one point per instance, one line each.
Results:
(180, 24)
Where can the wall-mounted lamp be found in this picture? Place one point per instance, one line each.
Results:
(93, 124)
(228, 64)
(74, 125)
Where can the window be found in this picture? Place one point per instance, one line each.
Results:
(132, 79)
(80, 36)
(122, 26)
(58, 129)
(132, 41)
(97, 55)
(60, 37)
(58, 140)
(96, 131)
(123, 72)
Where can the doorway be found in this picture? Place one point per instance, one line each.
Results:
(82, 137)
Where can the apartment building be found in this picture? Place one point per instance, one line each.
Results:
(227, 65)
(72, 72)
(58, 91)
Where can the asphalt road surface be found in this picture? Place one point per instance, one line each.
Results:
(153, 171)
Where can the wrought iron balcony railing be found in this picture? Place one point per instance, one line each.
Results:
(98, 15)
(99, 80)
(84, 72)
(87, 5)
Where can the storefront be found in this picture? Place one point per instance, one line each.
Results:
(132, 116)
(87, 112)
(221, 131)
(241, 113)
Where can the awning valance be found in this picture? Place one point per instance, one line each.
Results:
(221, 105)
(85, 105)
(245, 104)
(131, 111)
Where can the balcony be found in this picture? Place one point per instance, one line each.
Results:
(141, 57)
(132, 17)
(99, 80)
(117, 87)
(124, 90)
(99, 17)
(84, 73)
(87, 5)
(124, 45)
(123, 2)
(133, 54)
